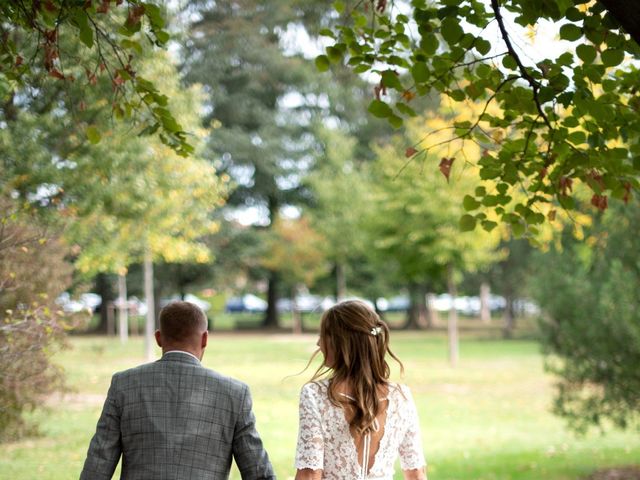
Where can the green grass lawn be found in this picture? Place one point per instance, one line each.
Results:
(487, 419)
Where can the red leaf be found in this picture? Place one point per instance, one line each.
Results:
(91, 77)
(50, 54)
(627, 193)
(551, 215)
(82, 106)
(408, 96)
(381, 6)
(565, 184)
(117, 81)
(445, 166)
(51, 35)
(542, 173)
(410, 152)
(103, 67)
(104, 7)
(56, 74)
(599, 201)
(134, 16)
(19, 60)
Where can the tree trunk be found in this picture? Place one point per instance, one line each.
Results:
(627, 13)
(434, 318)
(509, 317)
(416, 309)
(485, 309)
(296, 315)
(454, 354)
(271, 319)
(341, 282)
(424, 317)
(150, 324)
(123, 308)
(105, 290)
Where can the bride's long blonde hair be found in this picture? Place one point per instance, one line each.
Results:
(357, 341)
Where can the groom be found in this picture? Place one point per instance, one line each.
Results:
(174, 419)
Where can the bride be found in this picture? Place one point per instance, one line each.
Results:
(354, 423)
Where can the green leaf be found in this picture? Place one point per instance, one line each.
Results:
(325, 32)
(395, 121)
(451, 30)
(338, 6)
(577, 137)
(509, 62)
(612, 57)
(132, 45)
(482, 46)
(586, 53)
(467, 223)
(154, 14)
(483, 70)
(406, 109)
(570, 32)
(469, 203)
(334, 54)
(488, 225)
(380, 109)
(322, 63)
(429, 43)
(390, 79)
(162, 37)
(86, 32)
(517, 229)
(93, 135)
(420, 72)
(457, 95)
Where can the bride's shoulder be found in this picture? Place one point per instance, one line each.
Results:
(315, 388)
(401, 390)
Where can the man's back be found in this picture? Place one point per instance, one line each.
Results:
(174, 419)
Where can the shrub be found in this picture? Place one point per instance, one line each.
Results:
(33, 272)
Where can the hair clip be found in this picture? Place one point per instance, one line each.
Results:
(375, 331)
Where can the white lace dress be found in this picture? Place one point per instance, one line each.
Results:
(325, 442)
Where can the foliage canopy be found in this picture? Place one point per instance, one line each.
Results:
(568, 119)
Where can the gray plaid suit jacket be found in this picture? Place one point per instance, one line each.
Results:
(176, 420)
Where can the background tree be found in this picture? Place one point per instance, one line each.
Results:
(159, 203)
(33, 272)
(261, 135)
(423, 237)
(58, 42)
(295, 249)
(340, 189)
(591, 330)
(570, 117)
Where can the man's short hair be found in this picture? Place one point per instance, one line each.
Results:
(180, 321)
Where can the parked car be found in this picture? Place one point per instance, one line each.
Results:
(399, 303)
(245, 303)
(86, 302)
(189, 297)
(305, 303)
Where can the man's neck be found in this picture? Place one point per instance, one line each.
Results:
(188, 351)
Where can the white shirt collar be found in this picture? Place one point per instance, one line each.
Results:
(182, 351)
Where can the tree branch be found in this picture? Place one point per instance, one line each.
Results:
(535, 85)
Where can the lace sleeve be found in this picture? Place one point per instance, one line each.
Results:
(310, 448)
(410, 449)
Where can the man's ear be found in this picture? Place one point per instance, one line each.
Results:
(158, 338)
(203, 339)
